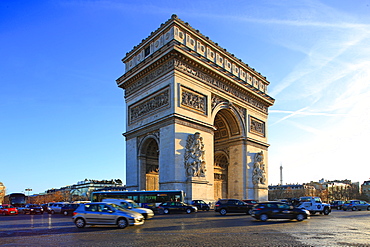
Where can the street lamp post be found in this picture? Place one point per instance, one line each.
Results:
(28, 192)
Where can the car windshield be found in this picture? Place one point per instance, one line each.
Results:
(118, 207)
(133, 205)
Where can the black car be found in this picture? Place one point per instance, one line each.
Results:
(224, 206)
(45, 207)
(33, 209)
(250, 204)
(200, 204)
(69, 208)
(337, 204)
(176, 207)
(278, 210)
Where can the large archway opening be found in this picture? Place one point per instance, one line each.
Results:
(150, 165)
(220, 176)
(226, 127)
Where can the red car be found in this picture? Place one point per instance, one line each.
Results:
(7, 209)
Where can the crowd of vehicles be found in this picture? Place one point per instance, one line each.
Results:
(130, 208)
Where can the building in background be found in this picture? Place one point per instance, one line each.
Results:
(365, 190)
(327, 190)
(82, 190)
(2, 193)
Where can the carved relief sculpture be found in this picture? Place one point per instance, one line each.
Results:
(193, 100)
(195, 166)
(259, 170)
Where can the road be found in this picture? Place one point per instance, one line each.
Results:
(200, 229)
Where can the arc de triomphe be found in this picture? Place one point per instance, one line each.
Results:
(196, 117)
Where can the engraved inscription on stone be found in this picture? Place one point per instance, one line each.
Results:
(193, 100)
(257, 126)
(149, 105)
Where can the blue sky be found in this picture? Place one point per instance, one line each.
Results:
(62, 114)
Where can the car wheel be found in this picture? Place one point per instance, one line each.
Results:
(52, 212)
(223, 211)
(122, 223)
(249, 211)
(188, 211)
(208, 209)
(326, 211)
(368, 208)
(354, 209)
(4, 213)
(263, 217)
(300, 217)
(65, 213)
(80, 223)
(166, 211)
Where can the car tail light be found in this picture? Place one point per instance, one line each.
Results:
(74, 213)
(217, 205)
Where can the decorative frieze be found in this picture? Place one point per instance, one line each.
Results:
(257, 126)
(193, 100)
(222, 86)
(149, 105)
(161, 70)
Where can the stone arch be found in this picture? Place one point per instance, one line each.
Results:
(228, 132)
(149, 163)
(234, 115)
(221, 165)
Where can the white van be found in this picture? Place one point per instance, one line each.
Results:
(131, 205)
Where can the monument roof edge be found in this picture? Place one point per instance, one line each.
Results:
(175, 20)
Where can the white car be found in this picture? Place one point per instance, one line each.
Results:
(131, 205)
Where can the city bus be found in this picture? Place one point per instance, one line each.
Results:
(146, 199)
(17, 199)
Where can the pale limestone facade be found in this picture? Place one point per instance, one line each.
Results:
(196, 118)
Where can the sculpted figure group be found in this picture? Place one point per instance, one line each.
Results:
(259, 169)
(195, 165)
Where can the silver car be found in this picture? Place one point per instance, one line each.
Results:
(100, 213)
(131, 205)
(356, 205)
